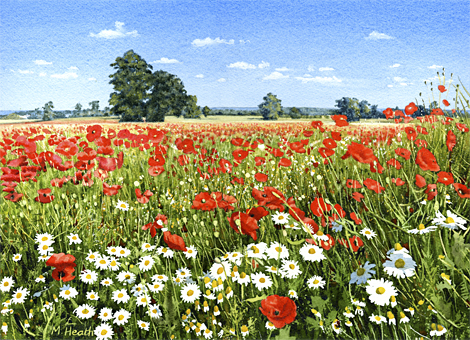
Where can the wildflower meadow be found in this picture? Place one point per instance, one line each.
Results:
(307, 230)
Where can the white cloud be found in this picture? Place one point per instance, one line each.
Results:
(433, 67)
(263, 64)
(42, 62)
(403, 84)
(73, 68)
(395, 65)
(42, 74)
(12, 70)
(311, 68)
(283, 69)
(165, 61)
(398, 79)
(322, 80)
(242, 65)
(321, 69)
(119, 32)
(389, 85)
(378, 36)
(200, 76)
(92, 78)
(221, 80)
(275, 75)
(209, 41)
(244, 41)
(66, 75)
(307, 75)
(25, 71)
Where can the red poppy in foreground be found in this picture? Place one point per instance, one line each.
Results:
(318, 207)
(420, 181)
(340, 120)
(204, 201)
(14, 197)
(241, 222)
(44, 196)
(451, 140)
(280, 310)
(257, 213)
(143, 198)
(461, 190)
(405, 153)
(373, 185)
(270, 197)
(158, 223)
(65, 266)
(426, 160)
(442, 88)
(109, 190)
(445, 178)
(445, 102)
(174, 241)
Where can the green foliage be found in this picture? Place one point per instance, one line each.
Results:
(47, 111)
(192, 110)
(295, 113)
(270, 107)
(206, 111)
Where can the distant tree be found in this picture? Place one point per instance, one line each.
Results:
(36, 114)
(106, 111)
(167, 96)
(270, 107)
(47, 111)
(131, 83)
(295, 113)
(77, 111)
(94, 107)
(192, 110)
(349, 107)
(206, 111)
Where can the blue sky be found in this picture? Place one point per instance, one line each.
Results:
(232, 53)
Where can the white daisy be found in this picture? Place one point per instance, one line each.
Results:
(143, 325)
(102, 262)
(121, 317)
(452, 221)
(221, 270)
(256, 250)
(106, 282)
(378, 319)
(89, 276)
(142, 300)
(404, 318)
(348, 313)
(126, 277)
(106, 314)
(280, 217)
(316, 282)
(122, 205)
(120, 296)
(292, 294)
(380, 291)
(261, 280)
(362, 274)
(43, 238)
(45, 249)
(190, 293)
(422, 229)
(244, 279)
(277, 251)
(320, 236)
(183, 273)
(6, 284)
(336, 326)
(391, 318)
(368, 233)
(236, 258)
(104, 331)
(160, 277)
(156, 286)
(85, 311)
(147, 247)
(270, 325)
(17, 257)
(92, 256)
(191, 253)
(123, 252)
(400, 265)
(139, 289)
(92, 296)
(166, 252)
(146, 263)
(290, 269)
(68, 293)
(19, 296)
(312, 253)
(112, 250)
(74, 239)
(437, 330)
(154, 311)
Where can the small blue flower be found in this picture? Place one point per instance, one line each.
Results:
(362, 274)
(336, 226)
(38, 294)
(65, 287)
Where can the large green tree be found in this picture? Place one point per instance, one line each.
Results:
(192, 110)
(167, 96)
(47, 111)
(131, 82)
(270, 107)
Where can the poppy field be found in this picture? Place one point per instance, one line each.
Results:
(307, 230)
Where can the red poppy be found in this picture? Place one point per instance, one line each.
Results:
(257, 213)
(155, 170)
(317, 124)
(393, 162)
(461, 190)
(307, 133)
(183, 160)
(325, 153)
(340, 120)
(225, 166)
(336, 135)
(318, 206)
(411, 133)
(373, 185)
(64, 266)
(158, 223)
(420, 181)
(354, 217)
(426, 160)
(224, 201)
(285, 162)
(329, 143)
(462, 127)
(44, 196)
(259, 161)
(13, 197)
(437, 112)
(237, 180)
(277, 152)
(357, 196)
(442, 88)
(388, 113)
(270, 197)
(279, 310)
(398, 182)
(361, 153)
(174, 241)
(421, 143)
(422, 130)
(445, 178)
(327, 245)
(261, 177)
(187, 145)
(451, 140)
(109, 190)
(143, 198)
(21, 161)
(339, 209)
(204, 201)
(241, 222)
(353, 184)
(445, 102)
(356, 243)
(239, 155)
(410, 109)
(106, 163)
(94, 132)
(431, 191)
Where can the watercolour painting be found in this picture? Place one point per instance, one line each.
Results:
(182, 169)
